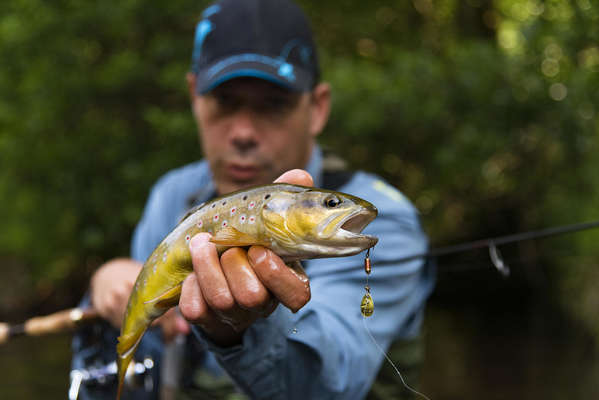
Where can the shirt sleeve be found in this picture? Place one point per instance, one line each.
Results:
(325, 350)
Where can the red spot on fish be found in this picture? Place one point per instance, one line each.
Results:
(215, 217)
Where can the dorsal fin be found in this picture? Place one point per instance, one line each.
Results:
(191, 211)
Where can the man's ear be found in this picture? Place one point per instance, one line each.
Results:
(191, 85)
(321, 106)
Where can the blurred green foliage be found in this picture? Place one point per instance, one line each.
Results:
(485, 113)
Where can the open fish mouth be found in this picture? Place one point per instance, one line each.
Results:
(352, 226)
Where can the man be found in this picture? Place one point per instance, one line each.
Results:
(259, 105)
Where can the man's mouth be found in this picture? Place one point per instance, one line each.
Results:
(242, 172)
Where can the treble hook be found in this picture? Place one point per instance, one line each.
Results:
(497, 260)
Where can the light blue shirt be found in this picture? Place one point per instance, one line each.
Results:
(323, 351)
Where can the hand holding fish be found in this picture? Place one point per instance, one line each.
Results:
(225, 296)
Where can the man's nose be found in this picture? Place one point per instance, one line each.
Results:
(244, 131)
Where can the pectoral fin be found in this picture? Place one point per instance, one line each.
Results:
(230, 236)
(168, 299)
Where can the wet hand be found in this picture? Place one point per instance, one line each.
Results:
(225, 296)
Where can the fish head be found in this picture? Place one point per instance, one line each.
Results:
(312, 223)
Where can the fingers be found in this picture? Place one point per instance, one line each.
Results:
(210, 276)
(214, 297)
(111, 286)
(296, 177)
(192, 304)
(291, 288)
(194, 308)
(247, 290)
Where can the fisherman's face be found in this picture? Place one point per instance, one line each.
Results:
(252, 131)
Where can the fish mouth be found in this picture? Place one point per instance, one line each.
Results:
(350, 227)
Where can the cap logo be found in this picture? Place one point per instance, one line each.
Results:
(286, 71)
(211, 10)
(202, 30)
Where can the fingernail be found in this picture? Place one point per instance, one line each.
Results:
(199, 239)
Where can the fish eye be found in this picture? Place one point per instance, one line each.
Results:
(332, 202)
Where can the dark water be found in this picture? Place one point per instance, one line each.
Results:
(474, 350)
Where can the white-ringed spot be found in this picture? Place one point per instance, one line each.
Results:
(252, 219)
(200, 224)
(242, 218)
(215, 218)
(233, 210)
(187, 238)
(251, 205)
(225, 223)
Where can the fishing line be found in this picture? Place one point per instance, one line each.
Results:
(391, 362)
(367, 309)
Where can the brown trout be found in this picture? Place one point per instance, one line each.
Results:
(295, 222)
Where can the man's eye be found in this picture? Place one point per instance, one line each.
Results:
(227, 103)
(276, 105)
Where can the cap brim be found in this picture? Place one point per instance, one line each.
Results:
(278, 72)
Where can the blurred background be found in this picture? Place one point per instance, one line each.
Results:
(484, 113)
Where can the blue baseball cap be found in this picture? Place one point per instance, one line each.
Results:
(265, 39)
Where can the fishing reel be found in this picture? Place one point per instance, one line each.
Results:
(138, 376)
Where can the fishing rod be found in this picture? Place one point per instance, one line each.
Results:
(61, 321)
(493, 242)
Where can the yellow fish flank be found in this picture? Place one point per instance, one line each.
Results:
(296, 222)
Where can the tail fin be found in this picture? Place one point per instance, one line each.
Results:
(125, 350)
